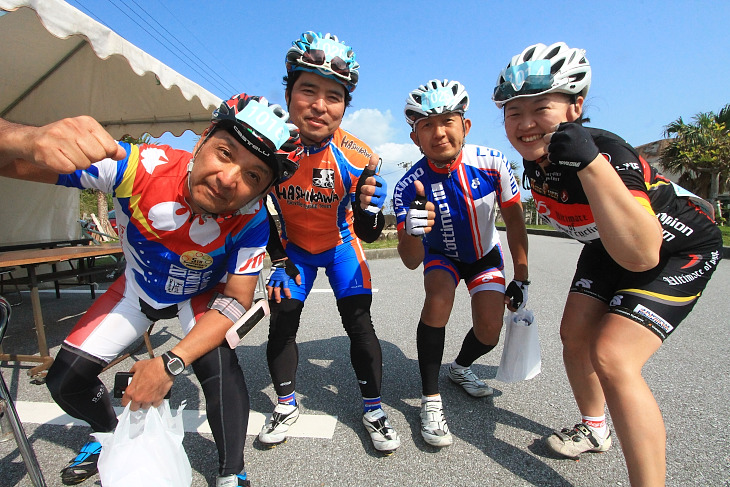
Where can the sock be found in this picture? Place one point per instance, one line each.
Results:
(458, 367)
(436, 398)
(370, 404)
(290, 399)
(597, 424)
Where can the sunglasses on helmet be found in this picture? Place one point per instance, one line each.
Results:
(316, 58)
(528, 78)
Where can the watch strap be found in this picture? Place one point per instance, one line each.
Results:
(169, 357)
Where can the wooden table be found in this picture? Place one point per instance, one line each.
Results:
(30, 260)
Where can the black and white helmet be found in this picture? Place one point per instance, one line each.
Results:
(434, 98)
(541, 69)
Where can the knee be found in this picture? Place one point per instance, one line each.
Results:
(355, 313)
(285, 318)
(71, 372)
(610, 363)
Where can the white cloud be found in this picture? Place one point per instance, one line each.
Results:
(374, 128)
(370, 125)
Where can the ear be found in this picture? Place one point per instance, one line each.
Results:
(467, 127)
(575, 110)
(414, 138)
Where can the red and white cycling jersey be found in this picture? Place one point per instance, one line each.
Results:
(172, 254)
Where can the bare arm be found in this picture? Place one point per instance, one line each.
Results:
(631, 235)
(36, 153)
(410, 249)
(151, 381)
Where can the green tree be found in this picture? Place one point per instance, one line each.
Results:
(700, 152)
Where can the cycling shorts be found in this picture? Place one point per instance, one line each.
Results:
(486, 274)
(345, 266)
(658, 299)
(118, 318)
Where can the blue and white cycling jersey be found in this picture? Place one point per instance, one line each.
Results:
(466, 195)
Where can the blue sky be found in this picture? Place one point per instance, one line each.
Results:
(652, 61)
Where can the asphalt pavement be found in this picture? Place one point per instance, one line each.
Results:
(496, 439)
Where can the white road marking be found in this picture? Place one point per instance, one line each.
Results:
(307, 426)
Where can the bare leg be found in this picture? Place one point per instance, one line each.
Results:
(620, 351)
(578, 330)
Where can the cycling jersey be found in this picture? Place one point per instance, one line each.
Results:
(315, 204)
(560, 198)
(466, 195)
(660, 298)
(172, 254)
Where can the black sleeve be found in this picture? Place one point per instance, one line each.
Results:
(274, 247)
(368, 226)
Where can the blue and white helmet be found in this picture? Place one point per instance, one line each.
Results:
(434, 98)
(541, 69)
(324, 55)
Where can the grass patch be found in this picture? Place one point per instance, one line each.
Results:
(725, 236)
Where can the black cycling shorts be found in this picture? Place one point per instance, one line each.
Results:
(658, 299)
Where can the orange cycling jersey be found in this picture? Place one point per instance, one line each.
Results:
(325, 182)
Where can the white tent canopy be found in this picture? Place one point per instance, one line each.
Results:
(57, 62)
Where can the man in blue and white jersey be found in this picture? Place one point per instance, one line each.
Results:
(445, 207)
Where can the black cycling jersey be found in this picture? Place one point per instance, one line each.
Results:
(560, 198)
(660, 298)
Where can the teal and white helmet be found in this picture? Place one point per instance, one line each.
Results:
(324, 55)
(541, 69)
(434, 98)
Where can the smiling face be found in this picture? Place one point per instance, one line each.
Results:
(316, 106)
(225, 176)
(441, 137)
(528, 119)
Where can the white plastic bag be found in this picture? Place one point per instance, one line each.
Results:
(145, 450)
(521, 354)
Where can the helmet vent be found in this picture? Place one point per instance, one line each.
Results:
(556, 67)
(528, 54)
(552, 53)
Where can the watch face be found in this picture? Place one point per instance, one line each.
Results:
(173, 364)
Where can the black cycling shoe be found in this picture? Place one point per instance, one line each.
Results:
(83, 465)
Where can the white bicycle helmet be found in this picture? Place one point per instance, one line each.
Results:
(540, 69)
(326, 56)
(434, 98)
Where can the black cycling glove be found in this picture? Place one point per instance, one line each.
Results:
(572, 147)
(517, 293)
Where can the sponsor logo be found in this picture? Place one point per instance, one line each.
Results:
(323, 178)
(403, 184)
(680, 279)
(564, 195)
(668, 221)
(654, 318)
(182, 280)
(352, 145)
(586, 283)
(569, 163)
(294, 193)
(616, 300)
(193, 259)
(448, 237)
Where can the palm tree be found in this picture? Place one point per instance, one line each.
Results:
(700, 152)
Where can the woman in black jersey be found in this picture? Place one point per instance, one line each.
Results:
(648, 256)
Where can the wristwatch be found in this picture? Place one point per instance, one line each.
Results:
(173, 364)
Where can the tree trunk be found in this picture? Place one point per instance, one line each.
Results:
(714, 186)
(102, 210)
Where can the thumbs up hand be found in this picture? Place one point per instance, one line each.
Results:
(421, 215)
(372, 189)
